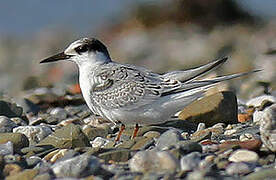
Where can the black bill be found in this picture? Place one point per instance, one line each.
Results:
(57, 57)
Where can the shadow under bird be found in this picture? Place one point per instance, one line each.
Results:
(128, 94)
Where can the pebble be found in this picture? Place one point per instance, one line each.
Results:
(99, 142)
(34, 133)
(24, 175)
(53, 156)
(153, 161)
(59, 113)
(93, 132)
(116, 155)
(217, 108)
(70, 143)
(18, 140)
(230, 132)
(69, 136)
(33, 161)
(184, 148)
(243, 155)
(238, 168)
(10, 109)
(168, 139)
(201, 135)
(268, 128)
(18, 121)
(11, 169)
(6, 148)
(264, 174)
(142, 143)
(257, 101)
(44, 176)
(77, 167)
(6, 125)
(152, 134)
(190, 161)
(253, 145)
(246, 137)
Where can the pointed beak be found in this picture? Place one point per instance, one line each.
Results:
(57, 57)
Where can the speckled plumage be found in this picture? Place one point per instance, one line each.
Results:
(130, 94)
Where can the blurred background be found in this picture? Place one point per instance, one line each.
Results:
(162, 35)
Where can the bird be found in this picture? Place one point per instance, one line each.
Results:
(128, 94)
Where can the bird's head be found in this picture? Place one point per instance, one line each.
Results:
(82, 51)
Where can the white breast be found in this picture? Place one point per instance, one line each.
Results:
(86, 84)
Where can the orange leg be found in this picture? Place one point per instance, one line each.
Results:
(122, 128)
(135, 131)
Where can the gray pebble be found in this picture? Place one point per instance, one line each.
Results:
(77, 167)
(257, 101)
(153, 161)
(99, 142)
(6, 125)
(190, 161)
(6, 149)
(239, 168)
(59, 113)
(168, 139)
(243, 155)
(34, 133)
(18, 121)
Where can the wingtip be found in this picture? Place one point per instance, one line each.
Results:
(257, 70)
(223, 59)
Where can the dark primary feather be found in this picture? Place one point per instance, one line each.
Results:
(190, 74)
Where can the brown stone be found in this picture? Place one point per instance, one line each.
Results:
(217, 108)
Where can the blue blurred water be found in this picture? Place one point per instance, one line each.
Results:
(27, 17)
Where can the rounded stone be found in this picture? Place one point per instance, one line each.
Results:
(243, 155)
(190, 161)
(11, 169)
(238, 168)
(257, 101)
(6, 125)
(59, 113)
(93, 132)
(24, 175)
(70, 136)
(99, 142)
(19, 140)
(10, 109)
(153, 161)
(34, 133)
(6, 148)
(79, 166)
(152, 134)
(19, 121)
(168, 138)
(263, 174)
(217, 108)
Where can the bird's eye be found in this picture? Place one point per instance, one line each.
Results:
(81, 49)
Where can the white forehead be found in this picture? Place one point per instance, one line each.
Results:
(70, 50)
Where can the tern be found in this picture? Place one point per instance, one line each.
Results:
(128, 94)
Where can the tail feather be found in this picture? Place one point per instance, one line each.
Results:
(205, 84)
(189, 75)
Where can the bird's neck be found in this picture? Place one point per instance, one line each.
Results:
(94, 60)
